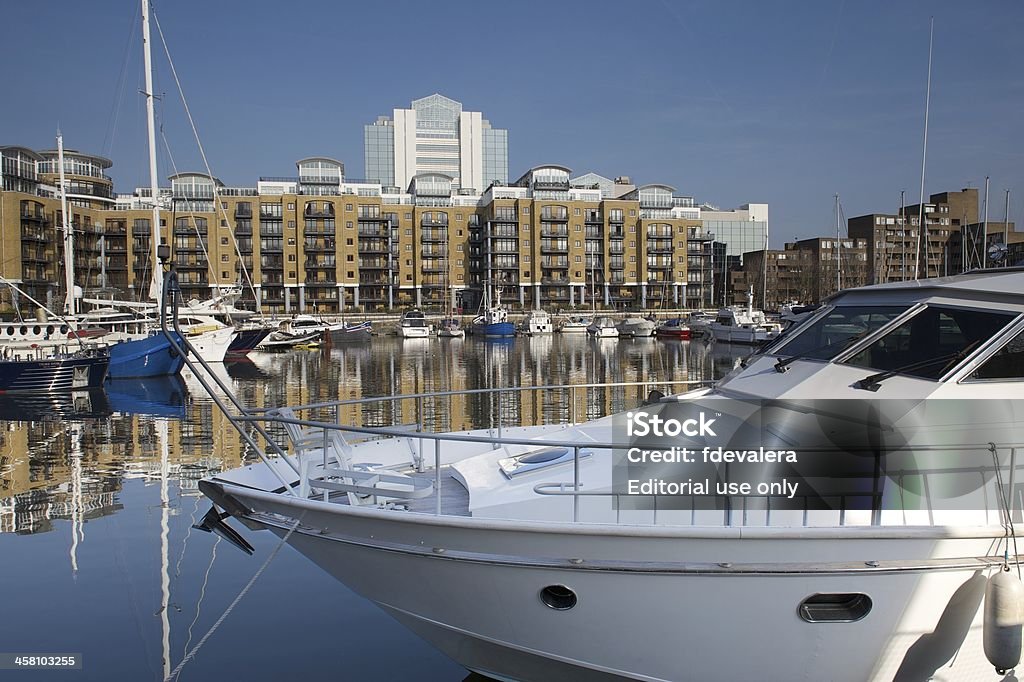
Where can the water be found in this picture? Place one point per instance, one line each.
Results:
(98, 493)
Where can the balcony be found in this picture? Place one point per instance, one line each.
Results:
(33, 235)
(374, 247)
(432, 267)
(616, 219)
(320, 247)
(560, 263)
(375, 264)
(243, 211)
(320, 265)
(554, 281)
(555, 232)
(560, 217)
(321, 283)
(313, 211)
(33, 216)
(659, 248)
(428, 236)
(594, 233)
(615, 248)
(554, 248)
(655, 233)
(593, 217)
(435, 221)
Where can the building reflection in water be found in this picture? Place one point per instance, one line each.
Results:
(66, 458)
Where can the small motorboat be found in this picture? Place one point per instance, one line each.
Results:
(633, 326)
(413, 325)
(450, 329)
(574, 324)
(676, 328)
(603, 328)
(537, 322)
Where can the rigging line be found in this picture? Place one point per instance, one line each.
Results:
(122, 81)
(206, 164)
(202, 595)
(184, 544)
(191, 654)
(190, 214)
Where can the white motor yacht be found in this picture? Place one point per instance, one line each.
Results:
(413, 325)
(207, 336)
(537, 322)
(519, 553)
(738, 324)
(574, 324)
(603, 328)
(635, 325)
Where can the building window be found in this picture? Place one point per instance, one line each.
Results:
(291, 241)
(224, 241)
(578, 228)
(223, 274)
(408, 278)
(459, 277)
(291, 274)
(576, 211)
(459, 262)
(224, 258)
(348, 207)
(408, 216)
(459, 248)
(291, 257)
(291, 224)
(349, 259)
(578, 243)
(291, 206)
(526, 210)
(351, 274)
(348, 242)
(458, 216)
(348, 224)
(579, 259)
(632, 213)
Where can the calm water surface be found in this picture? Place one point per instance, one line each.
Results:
(98, 493)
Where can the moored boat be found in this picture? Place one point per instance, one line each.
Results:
(44, 371)
(675, 328)
(603, 328)
(413, 325)
(361, 331)
(633, 326)
(537, 322)
(449, 328)
(523, 522)
(574, 324)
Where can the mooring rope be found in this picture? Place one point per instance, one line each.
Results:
(191, 654)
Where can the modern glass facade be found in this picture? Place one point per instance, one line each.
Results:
(379, 151)
(739, 236)
(435, 135)
(495, 155)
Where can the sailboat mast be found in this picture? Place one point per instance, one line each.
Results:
(984, 231)
(921, 228)
(155, 285)
(69, 236)
(839, 260)
(1006, 229)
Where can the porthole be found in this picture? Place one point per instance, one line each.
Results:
(36, 330)
(10, 331)
(49, 329)
(843, 607)
(558, 597)
(24, 331)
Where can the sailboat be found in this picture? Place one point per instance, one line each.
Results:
(450, 327)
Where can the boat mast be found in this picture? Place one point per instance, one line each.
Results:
(155, 284)
(903, 238)
(69, 236)
(839, 262)
(924, 157)
(1006, 230)
(984, 231)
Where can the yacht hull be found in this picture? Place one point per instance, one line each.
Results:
(667, 604)
(212, 346)
(148, 357)
(494, 329)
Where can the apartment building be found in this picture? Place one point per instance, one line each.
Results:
(318, 241)
(807, 271)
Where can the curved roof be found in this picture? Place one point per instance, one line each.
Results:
(25, 150)
(550, 165)
(194, 174)
(432, 174)
(101, 161)
(320, 158)
(655, 185)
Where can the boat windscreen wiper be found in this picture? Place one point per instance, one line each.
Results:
(783, 364)
(874, 381)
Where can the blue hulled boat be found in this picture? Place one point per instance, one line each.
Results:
(54, 373)
(493, 323)
(152, 356)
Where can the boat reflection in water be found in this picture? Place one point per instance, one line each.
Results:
(157, 396)
(46, 407)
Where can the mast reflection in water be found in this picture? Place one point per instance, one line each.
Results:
(98, 493)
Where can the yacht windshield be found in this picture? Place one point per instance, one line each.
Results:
(834, 332)
(930, 343)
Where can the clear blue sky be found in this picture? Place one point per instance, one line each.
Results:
(778, 102)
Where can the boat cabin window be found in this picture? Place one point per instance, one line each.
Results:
(1007, 363)
(932, 342)
(838, 329)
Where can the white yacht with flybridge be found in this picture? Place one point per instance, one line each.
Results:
(511, 548)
